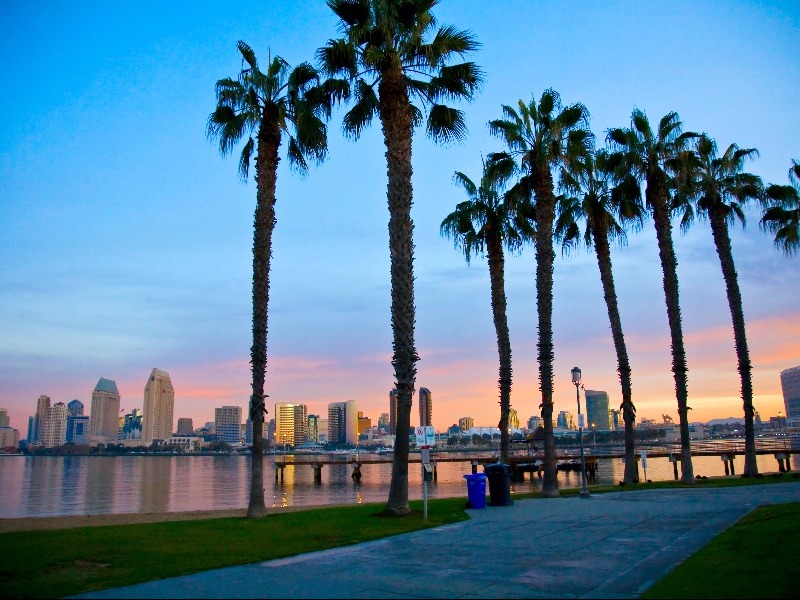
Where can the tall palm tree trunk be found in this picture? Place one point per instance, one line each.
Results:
(658, 199)
(722, 241)
(497, 279)
(603, 251)
(545, 256)
(396, 121)
(264, 223)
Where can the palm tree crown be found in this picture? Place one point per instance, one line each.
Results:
(782, 218)
(384, 46)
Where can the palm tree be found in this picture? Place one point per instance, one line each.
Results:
(715, 188)
(385, 54)
(483, 225)
(783, 217)
(542, 136)
(643, 154)
(261, 106)
(607, 209)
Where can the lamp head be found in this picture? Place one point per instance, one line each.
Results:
(576, 375)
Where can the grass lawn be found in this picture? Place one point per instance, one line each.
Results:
(755, 558)
(62, 562)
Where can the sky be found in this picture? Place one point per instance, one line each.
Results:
(125, 238)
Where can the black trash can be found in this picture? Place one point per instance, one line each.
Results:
(499, 476)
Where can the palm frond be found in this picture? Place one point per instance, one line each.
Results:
(354, 13)
(445, 124)
(363, 111)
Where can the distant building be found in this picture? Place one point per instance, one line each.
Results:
(393, 412)
(77, 428)
(312, 430)
(343, 422)
(597, 413)
(75, 408)
(566, 420)
(364, 423)
(9, 437)
(425, 407)
(790, 384)
(104, 417)
(54, 432)
(228, 423)
(159, 405)
(617, 420)
(4, 417)
(513, 418)
(185, 426)
(132, 427)
(42, 404)
(33, 430)
(534, 422)
(322, 431)
(291, 424)
(466, 423)
(384, 422)
(351, 422)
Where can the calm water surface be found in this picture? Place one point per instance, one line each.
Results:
(34, 486)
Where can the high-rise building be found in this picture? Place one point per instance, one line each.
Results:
(33, 430)
(104, 417)
(425, 407)
(534, 422)
(132, 426)
(159, 404)
(393, 412)
(77, 428)
(364, 423)
(384, 422)
(312, 431)
(9, 437)
(322, 431)
(597, 413)
(185, 426)
(513, 418)
(466, 423)
(3, 417)
(54, 432)
(228, 423)
(42, 404)
(790, 384)
(343, 422)
(291, 424)
(617, 421)
(566, 420)
(75, 408)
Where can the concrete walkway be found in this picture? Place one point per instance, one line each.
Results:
(608, 546)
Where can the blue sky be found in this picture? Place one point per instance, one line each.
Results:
(125, 238)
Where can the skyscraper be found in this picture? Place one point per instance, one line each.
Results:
(466, 423)
(513, 418)
(54, 432)
(291, 424)
(351, 422)
(790, 384)
(566, 420)
(384, 422)
(337, 434)
(425, 407)
(75, 408)
(597, 413)
(159, 404)
(42, 404)
(393, 412)
(312, 432)
(185, 426)
(3, 417)
(77, 428)
(104, 417)
(228, 423)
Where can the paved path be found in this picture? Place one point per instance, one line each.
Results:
(608, 546)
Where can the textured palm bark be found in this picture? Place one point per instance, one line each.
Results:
(396, 121)
(658, 199)
(497, 279)
(545, 256)
(603, 251)
(264, 223)
(722, 241)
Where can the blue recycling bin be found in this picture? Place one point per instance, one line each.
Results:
(476, 490)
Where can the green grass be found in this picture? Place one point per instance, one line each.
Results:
(56, 563)
(755, 558)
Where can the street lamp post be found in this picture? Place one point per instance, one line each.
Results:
(576, 381)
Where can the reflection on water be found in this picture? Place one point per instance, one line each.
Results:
(90, 485)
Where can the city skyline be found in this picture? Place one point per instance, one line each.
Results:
(134, 249)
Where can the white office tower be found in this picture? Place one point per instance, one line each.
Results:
(790, 385)
(291, 423)
(54, 432)
(104, 418)
(159, 404)
(351, 422)
(228, 423)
